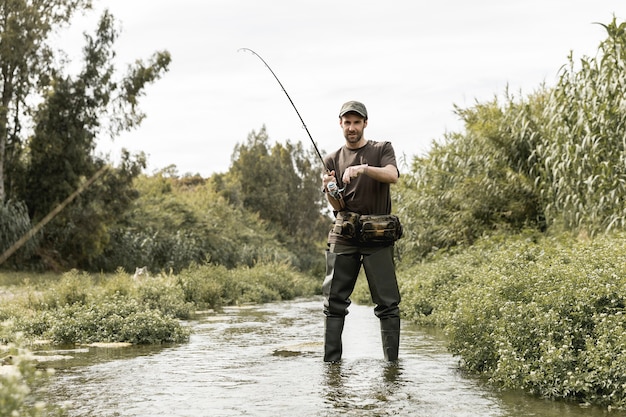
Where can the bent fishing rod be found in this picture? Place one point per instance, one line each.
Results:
(332, 187)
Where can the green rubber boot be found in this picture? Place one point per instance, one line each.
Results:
(390, 332)
(332, 339)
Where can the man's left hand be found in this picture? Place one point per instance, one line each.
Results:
(353, 172)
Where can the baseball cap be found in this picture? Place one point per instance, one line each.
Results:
(354, 106)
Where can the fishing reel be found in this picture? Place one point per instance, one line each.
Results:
(334, 191)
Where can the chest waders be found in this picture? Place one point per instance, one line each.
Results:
(343, 264)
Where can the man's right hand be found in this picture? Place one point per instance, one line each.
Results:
(328, 178)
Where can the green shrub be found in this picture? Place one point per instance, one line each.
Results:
(214, 286)
(541, 314)
(74, 287)
(152, 327)
(81, 308)
(164, 294)
(202, 285)
(118, 283)
(113, 319)
(278, 280)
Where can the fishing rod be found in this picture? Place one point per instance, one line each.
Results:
(291, 101)
(332, 186)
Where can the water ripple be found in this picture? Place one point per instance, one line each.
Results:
(267, 361)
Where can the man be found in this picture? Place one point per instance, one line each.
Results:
(363, 170)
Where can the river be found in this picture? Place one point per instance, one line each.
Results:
(266, 360)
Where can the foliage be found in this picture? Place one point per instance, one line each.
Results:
(536, 313)
(580, 166)
(212, 286)
(14, 224)
(556, 158)
(530, 311)
(179, 221)
(205, 286)
(176, 222)
(84, 308)
(60, 152)
(465, 188)
(281, 183)
(112, 319)
(25, 58)
(290, 177)
(19, 377)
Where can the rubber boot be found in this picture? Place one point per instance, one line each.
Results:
(390, 332)
(332, 339)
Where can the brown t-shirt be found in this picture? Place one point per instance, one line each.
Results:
(364, 195)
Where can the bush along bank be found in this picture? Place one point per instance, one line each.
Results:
(542, 314)
(81, 308)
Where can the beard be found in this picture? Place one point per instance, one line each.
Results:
(353, 137)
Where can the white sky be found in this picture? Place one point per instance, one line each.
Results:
(409, 62)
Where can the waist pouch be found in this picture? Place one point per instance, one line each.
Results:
(380, 228)
(368, 228)
(346, 224)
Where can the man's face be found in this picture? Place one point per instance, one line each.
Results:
(353, 126)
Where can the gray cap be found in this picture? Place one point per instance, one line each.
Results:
(354, 106)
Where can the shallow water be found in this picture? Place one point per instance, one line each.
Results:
(267, 361)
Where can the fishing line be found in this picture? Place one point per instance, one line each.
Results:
(291, 101)
(333, 189)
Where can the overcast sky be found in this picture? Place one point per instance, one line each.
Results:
(409, 62)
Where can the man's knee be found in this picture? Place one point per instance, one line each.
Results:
(387, 312)
(341, 275)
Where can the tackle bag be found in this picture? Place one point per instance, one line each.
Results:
(379, 228)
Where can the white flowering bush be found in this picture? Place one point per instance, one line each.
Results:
(19, 377)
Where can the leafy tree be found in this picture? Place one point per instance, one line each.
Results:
(24, 60)
(280, 182)
(61, 150)
(179, 221)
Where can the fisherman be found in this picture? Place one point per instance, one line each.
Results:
(363, 233)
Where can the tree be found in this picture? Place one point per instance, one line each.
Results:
(282, 184)
(24, 60)
(66, 126)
